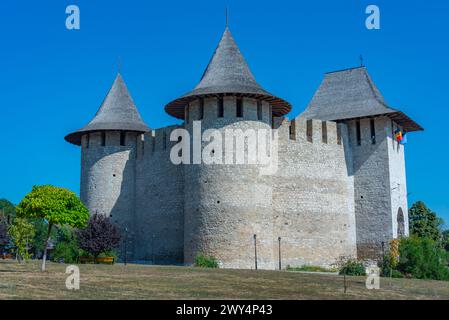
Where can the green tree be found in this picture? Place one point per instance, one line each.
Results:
(41, 236)
(424, 223)
(67, 248)
(446, 240)
(422, 258)
(57, 206)
(21, 233)
(7, 210)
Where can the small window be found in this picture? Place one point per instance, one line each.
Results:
(201, 110)
(373, 131)
(271, 116)
(103, 138)
(358, 133)
(153, 144)
(122, 138)
(220, 107)
(292, 130)
(87, 140)
(164, 140)
(142, 141)
(259, 110)
(324, 131)
(309, 131)
(239, 108)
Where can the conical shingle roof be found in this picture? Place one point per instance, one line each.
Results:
(117, 112)
(227, 74)
(351, 94)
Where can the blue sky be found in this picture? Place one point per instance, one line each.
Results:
(53, 80)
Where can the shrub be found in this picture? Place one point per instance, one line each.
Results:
(107, 254)
(204, 261)
(310, 269)
(422, 258)
(100, 235)
(353, 268)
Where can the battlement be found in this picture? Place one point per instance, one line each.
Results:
(227, 108)
(105, 139)
(155, 141)
(301, 130)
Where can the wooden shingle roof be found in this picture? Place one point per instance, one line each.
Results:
(117, 112)
(351, 94)
(227, 74)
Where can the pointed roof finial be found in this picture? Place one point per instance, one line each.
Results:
(361, 60)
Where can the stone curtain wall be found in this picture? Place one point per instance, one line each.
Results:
(313, 194)
(160, 201)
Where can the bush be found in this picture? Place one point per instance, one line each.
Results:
(204, 261)
(353, 268)
(107, 254)
(422, 258)
(310, 269)
(100, 235)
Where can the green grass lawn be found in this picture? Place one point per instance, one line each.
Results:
(170, 282)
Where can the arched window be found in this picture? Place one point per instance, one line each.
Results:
(401, 224)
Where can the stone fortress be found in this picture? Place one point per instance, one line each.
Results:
(339, 191)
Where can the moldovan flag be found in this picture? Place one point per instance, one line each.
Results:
(398, 134)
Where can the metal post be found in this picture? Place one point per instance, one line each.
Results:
(280, 264)
(126, 242)
(152, 249)
(255, 251)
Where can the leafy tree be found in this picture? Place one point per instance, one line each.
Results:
(4, 237)
(21, 233)
(422, 258)
(424, 223)
(40, 236)
(99, 236)
(446, 240)
(7, 210)
(67, 248)
(58, 206)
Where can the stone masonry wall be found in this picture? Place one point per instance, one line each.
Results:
(226, 204)
(313, 194)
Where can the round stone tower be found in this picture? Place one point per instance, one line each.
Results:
(108, 148)
(228, 204)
